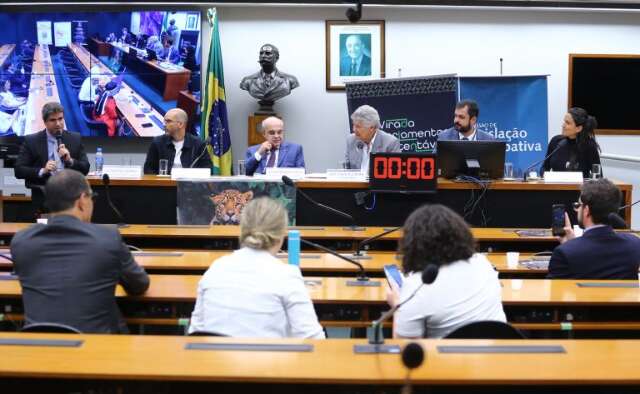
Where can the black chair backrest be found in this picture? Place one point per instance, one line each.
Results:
(206, 334)
(486, 330)
(51, 328)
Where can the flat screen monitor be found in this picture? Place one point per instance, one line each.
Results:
(151, 55)
(481, 159)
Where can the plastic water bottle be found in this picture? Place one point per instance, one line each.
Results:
(99, 161)
(293, 247)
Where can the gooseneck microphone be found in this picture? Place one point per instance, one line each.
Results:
(615, 220)
(412, 358)
(106, 181)
(289, 182)
(361, 279)
(561, 144)
(367, 241)
(204, 149)
(428, 276)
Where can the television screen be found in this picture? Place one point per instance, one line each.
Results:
(115, 73)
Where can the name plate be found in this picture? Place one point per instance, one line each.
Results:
(293, 173)
(191, 173)
(122, 172)
(346, 174)
(563, 177)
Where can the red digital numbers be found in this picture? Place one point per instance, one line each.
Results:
(414, 168)
(428, 168)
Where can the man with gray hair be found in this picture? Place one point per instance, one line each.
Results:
(274, 151)
(367, 138)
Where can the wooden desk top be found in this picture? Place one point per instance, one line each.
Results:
(164, 358)
(42, 89)
(328, 290)
(126, 97)
(153, 63)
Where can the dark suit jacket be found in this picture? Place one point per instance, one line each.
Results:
(69, 269)
(34, 155)
(162, 148)
(451, 134)
(290, 155)
(364, 70)
(600, 253)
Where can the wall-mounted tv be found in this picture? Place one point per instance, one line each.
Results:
(606, 86)
(115, 73)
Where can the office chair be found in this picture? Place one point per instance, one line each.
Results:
(487, 329)
(50, 328)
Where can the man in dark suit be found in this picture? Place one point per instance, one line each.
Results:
(176, 146)
(465, 122)
(69, 268)
(274, 151)
(600, 253)
(48, 151)
(354, 62)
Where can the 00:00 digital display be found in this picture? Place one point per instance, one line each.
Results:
(412, 168)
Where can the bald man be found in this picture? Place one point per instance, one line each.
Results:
(175, 145)
(274, 151)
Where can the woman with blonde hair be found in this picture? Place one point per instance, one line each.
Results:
(251, 293)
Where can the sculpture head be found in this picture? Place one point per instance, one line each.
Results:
(268, 57)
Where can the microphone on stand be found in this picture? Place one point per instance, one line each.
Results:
(358, 253)
(204, 149)
(616, 221)
(412, 358)
(561, 144)
(105, 181)
(361, 279)
(289, 182)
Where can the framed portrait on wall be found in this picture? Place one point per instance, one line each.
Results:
(354, 52)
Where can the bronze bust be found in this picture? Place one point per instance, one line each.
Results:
(269, 84)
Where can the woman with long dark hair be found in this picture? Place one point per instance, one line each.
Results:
(580, 151)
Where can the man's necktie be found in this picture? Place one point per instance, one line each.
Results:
(352, 71)
(272, 158)
(465, 139)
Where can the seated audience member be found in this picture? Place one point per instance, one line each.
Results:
(176, 145)
(600, 253)
(89, 89)
(367, 138)
(154, 44)
(69, 268)
(7, 99)
(105, 109)
(580, 150)
(465, 123)
(9, 121)
(274, 151)
(190, 59)
(466, 288)
(251, 293)
(170, 53)
(111, 37)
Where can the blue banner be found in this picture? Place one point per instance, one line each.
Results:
(514, 110)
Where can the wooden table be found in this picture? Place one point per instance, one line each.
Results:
(584, 365)
(42, 89)
(133, 108)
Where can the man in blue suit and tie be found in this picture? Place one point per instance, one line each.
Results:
(465, 122)
(274, 151)
(170, 53)
(600, 253)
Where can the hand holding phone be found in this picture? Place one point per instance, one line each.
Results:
(557, 220)
(394, 276)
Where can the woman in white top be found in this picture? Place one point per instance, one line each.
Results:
(251, 293)
(466, 288)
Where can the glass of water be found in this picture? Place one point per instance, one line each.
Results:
(242, 169)
(508, 170)
(163, 167)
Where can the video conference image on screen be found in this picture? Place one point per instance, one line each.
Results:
(115, 73)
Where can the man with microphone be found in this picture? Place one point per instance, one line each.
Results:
(176, 146)
(274, 151)
(48, 151)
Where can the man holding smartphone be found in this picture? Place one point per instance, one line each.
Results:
(600, 253)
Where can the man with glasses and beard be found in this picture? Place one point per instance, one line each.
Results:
(465, 122)
(600, 253)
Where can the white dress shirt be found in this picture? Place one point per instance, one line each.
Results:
(177, 163)
(472, 137)
(366, 155)
(258, 157)
(251, 293)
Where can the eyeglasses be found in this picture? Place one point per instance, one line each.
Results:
(577, 205)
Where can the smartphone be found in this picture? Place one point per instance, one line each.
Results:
(557, 219)
(394, 277)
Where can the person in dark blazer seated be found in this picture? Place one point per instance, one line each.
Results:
(69, 268)
(176, 146)
(170, 53)
(580, 150)
(465, 122)
(600, 253)
(274, 151)
(48, 151)
(367, 138)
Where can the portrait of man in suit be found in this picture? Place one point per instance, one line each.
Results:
(355, 55)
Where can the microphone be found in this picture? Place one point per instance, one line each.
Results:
(367, 241)
(204, 149)
(289, 182)
(429, 275)
(59, 139)
(361, 279)
(106, 181)
(412, 358)
(560, 145)
(628, 205)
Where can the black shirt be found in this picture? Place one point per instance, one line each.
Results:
(570, 158)
(162, 148)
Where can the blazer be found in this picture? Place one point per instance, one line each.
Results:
(69, 269)
(451, 134)
(384, 142)
(600, 253)
(290, 155)
(34, 155)
(174, 55)
(162, 148)
(364, 70)
(570, 158)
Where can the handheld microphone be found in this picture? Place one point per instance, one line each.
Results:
(361, 278)
(106, 181)
(289, 182)
(367, 241)
(59, 139)
(204, 149)
(560, 145)
(412, 358)
(428, 276)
